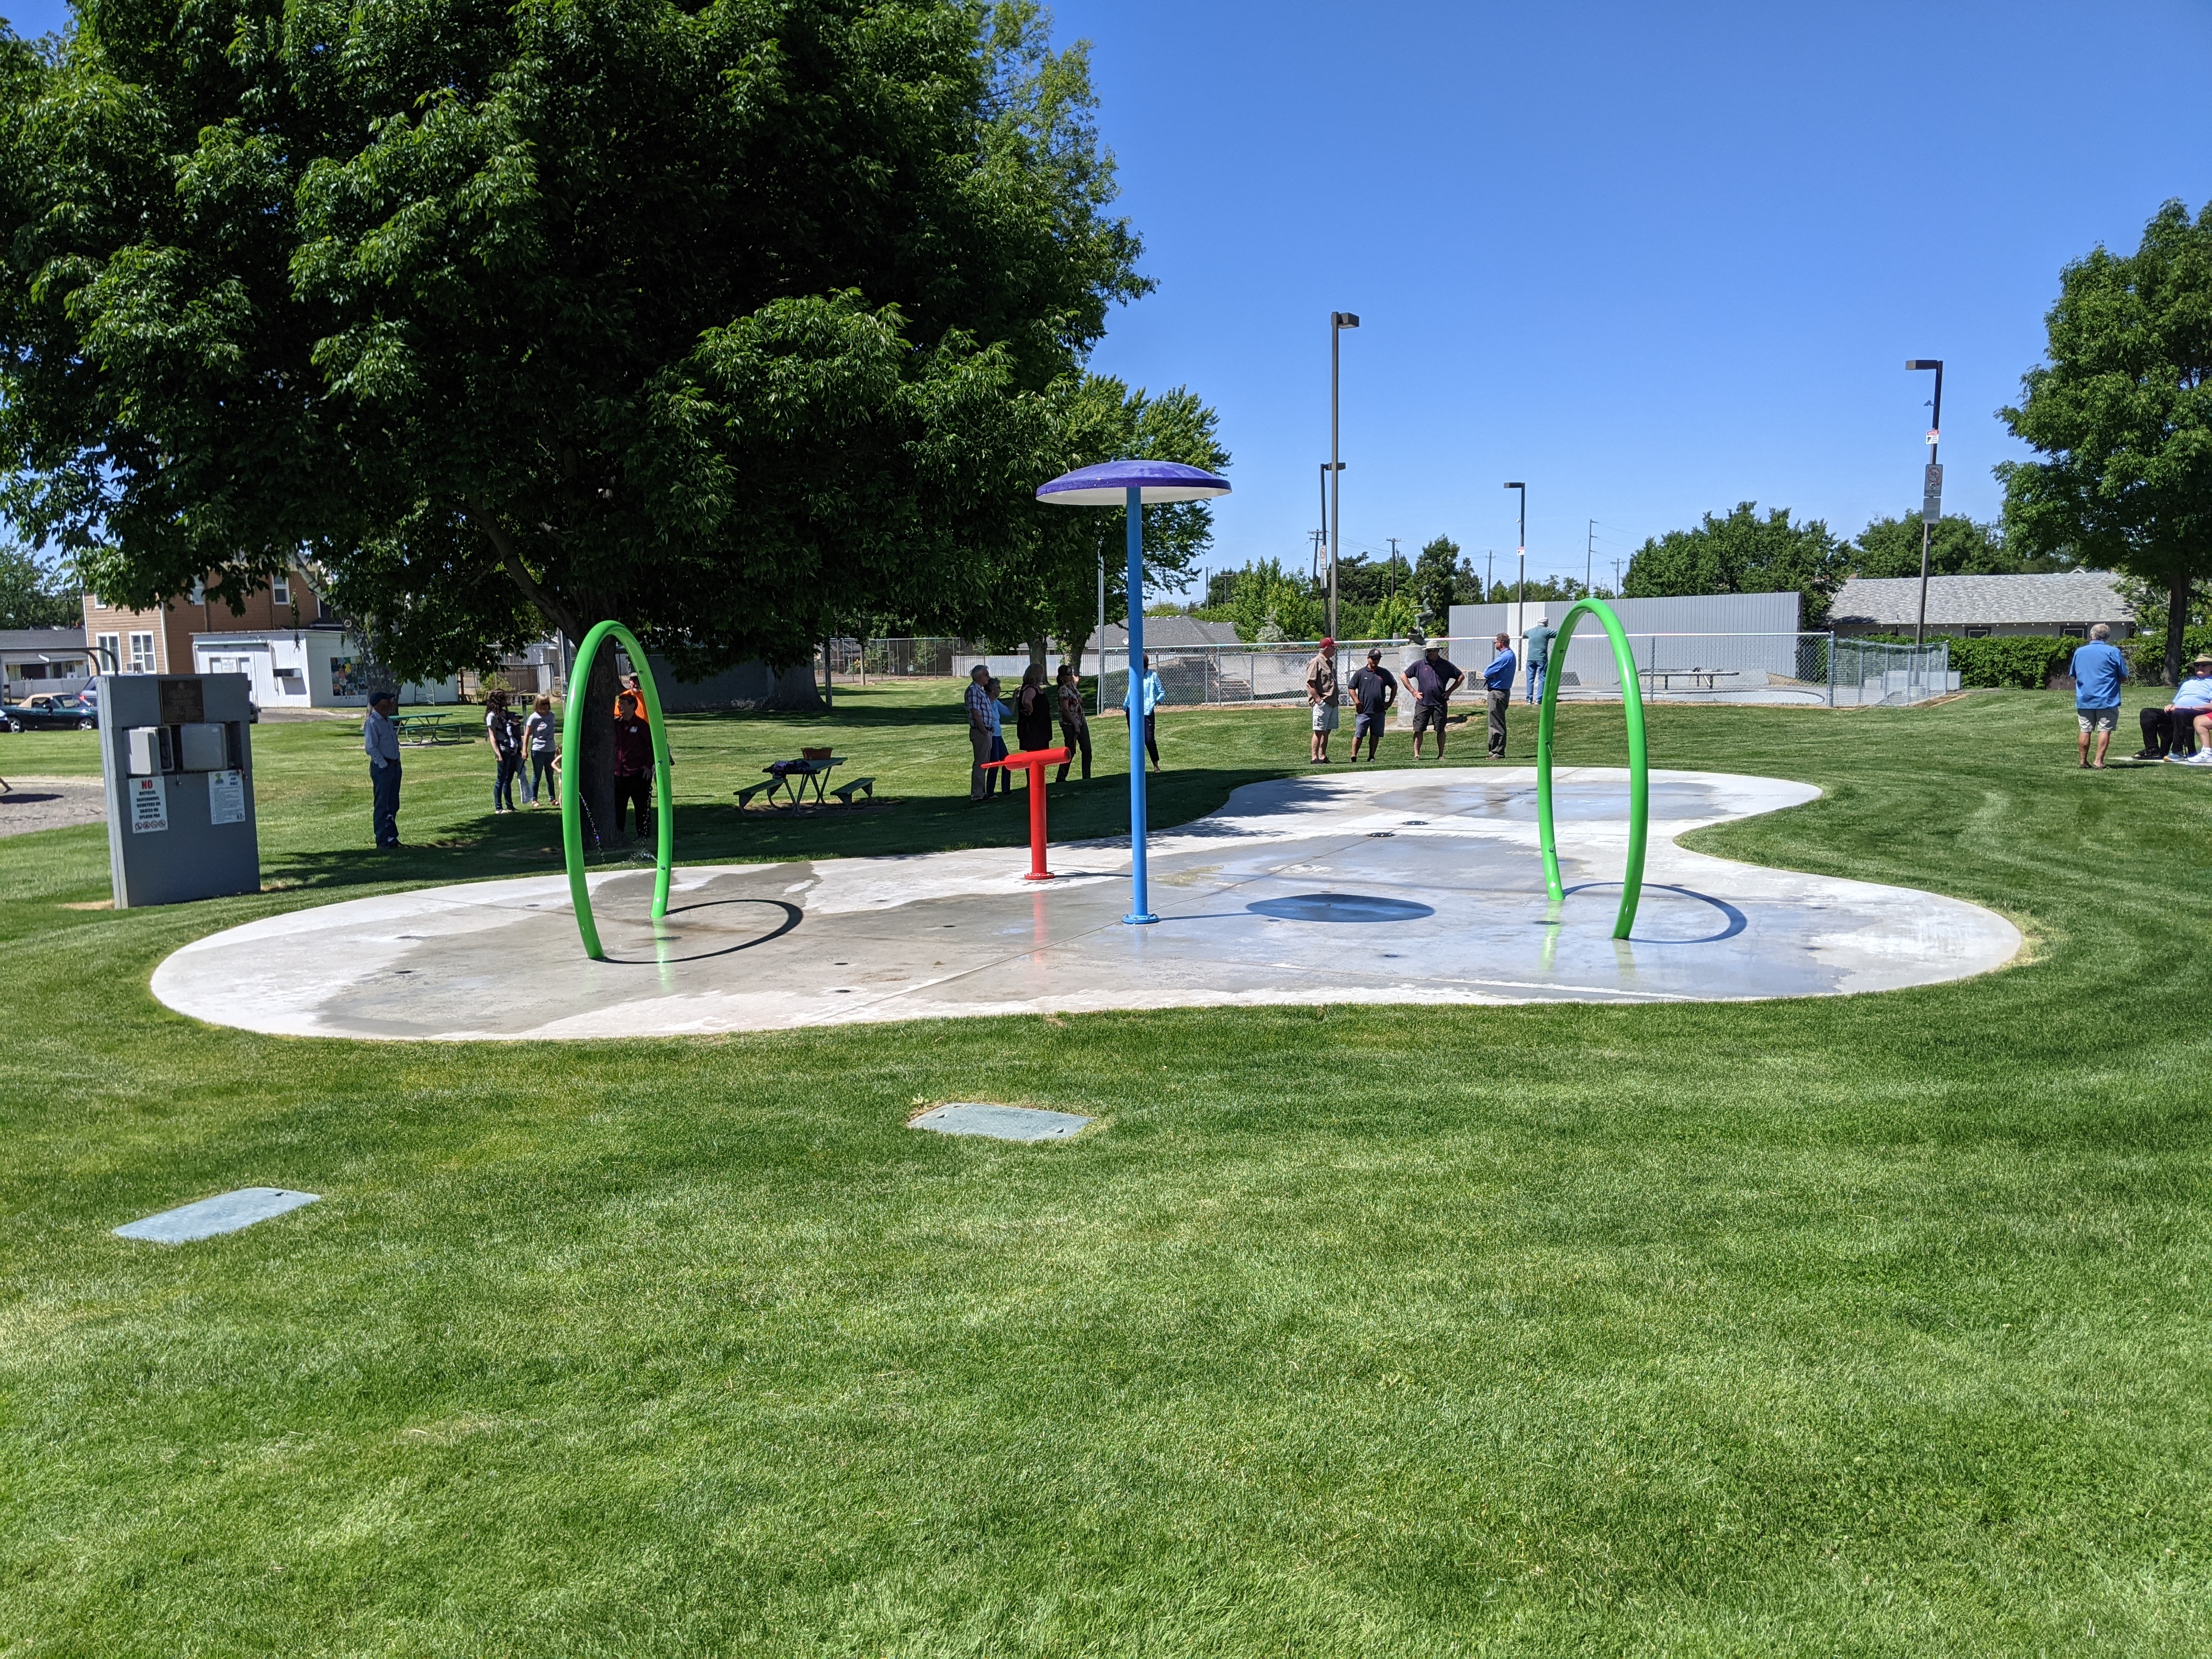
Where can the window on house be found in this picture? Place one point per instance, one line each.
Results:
(199, 591)
(2074, 631)
(1978, 632)
(142, 655)
(110, 653)
(280, 590)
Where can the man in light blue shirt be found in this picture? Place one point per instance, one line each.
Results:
(380, 739)
(1154, 695)
(2098, 668)
(2170, 733)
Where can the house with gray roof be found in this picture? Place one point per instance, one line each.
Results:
(2068, 604)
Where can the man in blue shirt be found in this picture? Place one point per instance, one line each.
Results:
(2098, 668)
(2170, 733)
(1499, 678)
(380, 737)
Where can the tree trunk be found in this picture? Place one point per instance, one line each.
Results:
(2176, 618)
(828, 675)
(1040, 651)
(596, 763)
(797, 691)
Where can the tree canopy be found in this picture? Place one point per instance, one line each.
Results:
(1959, 547)
(724, 320)
(2121, 412)
(1744, 553)
(33, 594)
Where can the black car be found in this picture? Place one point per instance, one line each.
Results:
(49, 714)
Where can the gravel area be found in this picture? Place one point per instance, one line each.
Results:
(50, 804)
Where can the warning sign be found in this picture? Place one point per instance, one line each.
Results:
(226, 797)
(149, 806)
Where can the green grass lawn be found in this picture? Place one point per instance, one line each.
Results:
(1870, 1326)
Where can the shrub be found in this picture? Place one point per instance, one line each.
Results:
(2147, 653)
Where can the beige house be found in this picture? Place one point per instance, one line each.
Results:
(2069, 603)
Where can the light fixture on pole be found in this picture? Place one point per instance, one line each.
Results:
(1931, 489)
(1131, 485)
(1338, 322)
(1520, 601)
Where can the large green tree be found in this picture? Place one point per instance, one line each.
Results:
(1744, 553)
(725, 320)
(1959, 547)
(33, 593)
(2122, 412)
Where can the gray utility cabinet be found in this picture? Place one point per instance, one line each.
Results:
(177, 751)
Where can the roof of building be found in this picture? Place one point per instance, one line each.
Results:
(42, 639)
(1169, 633)
(2072, 596)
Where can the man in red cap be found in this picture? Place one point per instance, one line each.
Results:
(1320, 697)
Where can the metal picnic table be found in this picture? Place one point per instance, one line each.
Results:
(1707, 679)
(437, 727)
(794, 776)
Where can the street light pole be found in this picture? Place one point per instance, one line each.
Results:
(1338, 322)
(1931, 497)
(1521, 599)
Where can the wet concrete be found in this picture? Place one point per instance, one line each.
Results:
(1394, 886)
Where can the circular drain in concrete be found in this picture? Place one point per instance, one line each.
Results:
(1339, 907)
(972, 1117)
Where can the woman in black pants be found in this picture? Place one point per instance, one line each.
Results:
(632, 760)
(1074, 729)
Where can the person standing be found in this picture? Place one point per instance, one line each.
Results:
(1540, 657)
(981, 721)
(1074, 727)
(1374, 688)
(2098, 669)
(632, 760)
(541, 742)
(1433, 679)
(1001, 779)
(1499, 678)
(1321, 698)
(380, 737)
(1153, 695)
(507, 748)
(1033, 709)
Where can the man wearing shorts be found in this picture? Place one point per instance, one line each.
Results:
(2098, 668)
(1433, 680)
(1320, 697)
(1374, 688)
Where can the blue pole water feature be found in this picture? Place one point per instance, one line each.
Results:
(1140, 898)
(1132, 486)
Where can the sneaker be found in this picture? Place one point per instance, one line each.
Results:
(2202, 757)
(2150, 754)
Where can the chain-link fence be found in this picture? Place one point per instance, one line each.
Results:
(1755, 668)
(1758, 668)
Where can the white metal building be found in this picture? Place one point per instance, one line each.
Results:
(305, 668)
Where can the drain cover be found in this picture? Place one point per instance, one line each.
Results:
(970, 1117)
(1339, 907)
(225, 1213)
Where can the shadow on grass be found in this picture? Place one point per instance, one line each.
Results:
(490, 847)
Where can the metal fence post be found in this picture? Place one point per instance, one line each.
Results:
(1831, 668)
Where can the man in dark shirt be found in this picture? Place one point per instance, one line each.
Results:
(1374, 688)
(1433, 680)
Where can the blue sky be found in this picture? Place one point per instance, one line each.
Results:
(1651, 259)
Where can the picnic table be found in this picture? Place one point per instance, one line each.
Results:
(435, 727)
(1704, 679)
(792, 776)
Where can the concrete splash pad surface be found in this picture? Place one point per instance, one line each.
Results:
(1391, 886)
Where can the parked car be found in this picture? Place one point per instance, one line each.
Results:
(49, 714)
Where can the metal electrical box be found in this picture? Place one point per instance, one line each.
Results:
(177, 753)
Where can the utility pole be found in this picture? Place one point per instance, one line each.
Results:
(1338, 322)
(1520, 604)
(1489, 573)
(1616, 578)
(1589, 555)
(1931, 498)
